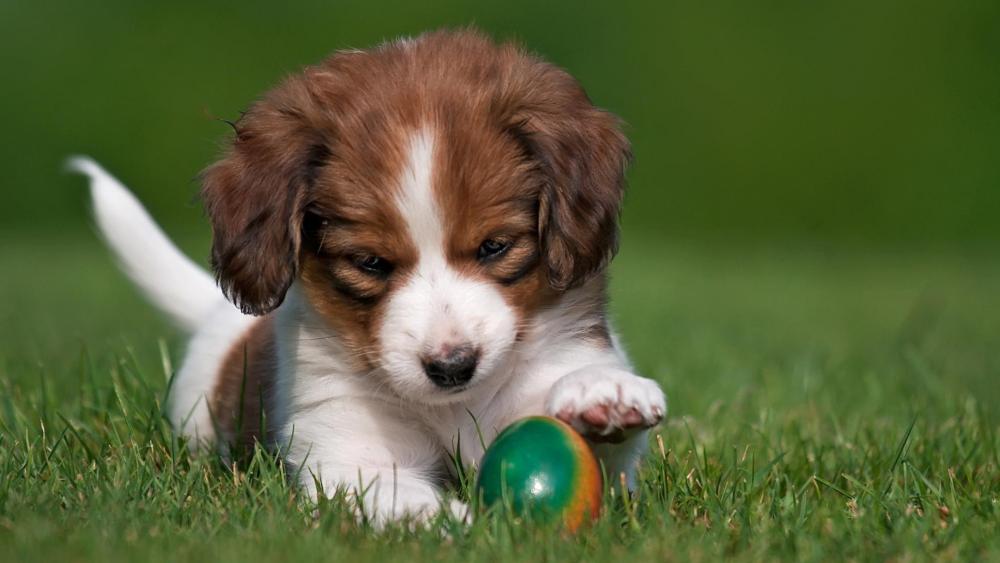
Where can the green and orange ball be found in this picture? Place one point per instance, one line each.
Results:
(541, 467)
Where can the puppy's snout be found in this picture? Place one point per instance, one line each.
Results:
(451, 366)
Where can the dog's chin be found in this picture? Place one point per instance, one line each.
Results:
(430, 395)
(425, 393)
(445, 397)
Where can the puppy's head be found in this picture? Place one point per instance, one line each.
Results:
(430, 197)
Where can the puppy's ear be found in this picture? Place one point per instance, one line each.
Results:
(256, 195)
(582, 155)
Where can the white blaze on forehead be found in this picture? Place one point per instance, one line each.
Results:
(436, 307)
(416, 201)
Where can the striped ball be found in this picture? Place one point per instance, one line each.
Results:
(542, 467)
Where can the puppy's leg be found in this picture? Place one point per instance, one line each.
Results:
(593, 389)
(383, 459)
(611, 407)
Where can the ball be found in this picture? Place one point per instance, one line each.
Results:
(542, 467)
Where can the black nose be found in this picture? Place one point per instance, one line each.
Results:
(452, 368)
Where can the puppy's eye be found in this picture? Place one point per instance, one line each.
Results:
(374, 265)
(492, 248)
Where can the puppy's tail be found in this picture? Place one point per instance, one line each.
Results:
(186, 292)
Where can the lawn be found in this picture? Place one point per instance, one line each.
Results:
(828, 400)
(825, 403)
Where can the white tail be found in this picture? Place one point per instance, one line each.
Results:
(178, 286)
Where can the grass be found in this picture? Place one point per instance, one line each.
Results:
(825, 404)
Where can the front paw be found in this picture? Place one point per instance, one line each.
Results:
(381, 502)
(417, 507)
(606, 405)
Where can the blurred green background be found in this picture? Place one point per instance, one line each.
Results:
(859, 121)
(811, 260)
(797, 163)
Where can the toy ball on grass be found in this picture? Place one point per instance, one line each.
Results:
(542, 467)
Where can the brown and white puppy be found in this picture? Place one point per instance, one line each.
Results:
(416, 239)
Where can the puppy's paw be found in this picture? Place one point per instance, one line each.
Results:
(606, 405)
(458, 511)
(417, 505)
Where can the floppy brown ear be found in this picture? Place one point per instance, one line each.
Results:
(256, 196)
(582, 155)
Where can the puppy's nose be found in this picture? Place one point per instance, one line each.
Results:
(452, 367)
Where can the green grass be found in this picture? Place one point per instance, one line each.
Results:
(828, 404)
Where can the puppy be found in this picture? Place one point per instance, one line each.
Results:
(415, 239)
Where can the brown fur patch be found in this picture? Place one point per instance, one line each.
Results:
(245, 385)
